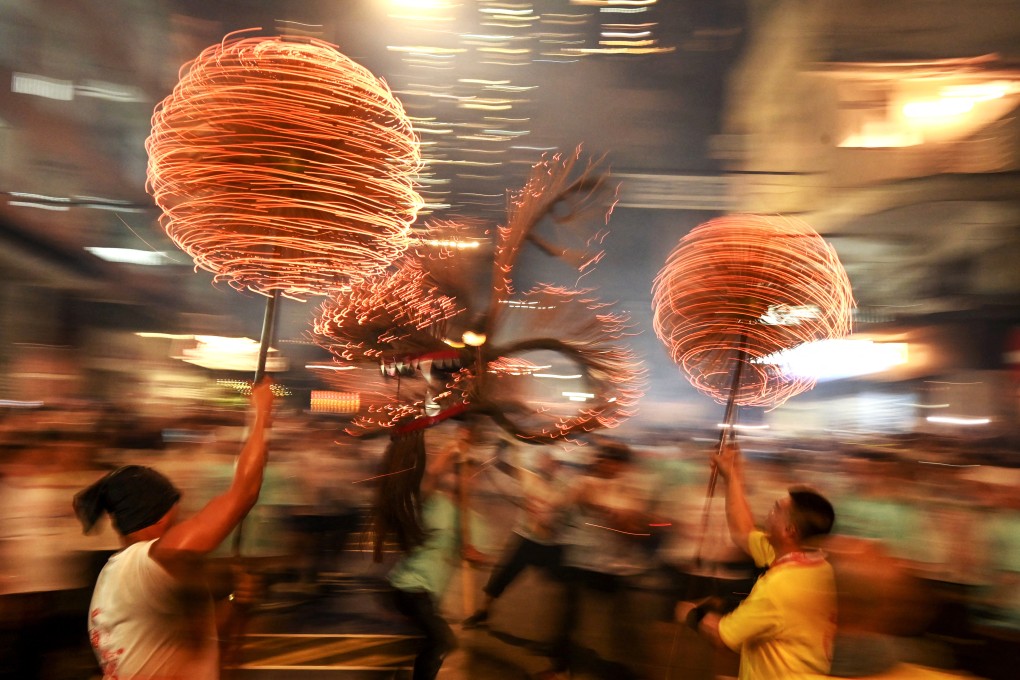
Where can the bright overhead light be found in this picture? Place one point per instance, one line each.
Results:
(421, 4)
(938, 108)
(230, 354)
(168, 336)
(789, 315)
(12, 403)
(41, 86)
(980, 92)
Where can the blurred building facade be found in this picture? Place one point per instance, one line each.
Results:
(892, 129)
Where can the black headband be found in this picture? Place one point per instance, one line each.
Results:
(133, 495)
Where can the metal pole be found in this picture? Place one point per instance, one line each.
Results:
(727, 431)
(268, 330)
(266, 339)
(239, 618)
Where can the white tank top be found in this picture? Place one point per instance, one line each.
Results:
(145, 624)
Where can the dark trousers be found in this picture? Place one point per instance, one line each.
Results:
(612, 587)
(527, 553)
(439, 638)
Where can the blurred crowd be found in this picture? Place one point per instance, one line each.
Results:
(926, 544)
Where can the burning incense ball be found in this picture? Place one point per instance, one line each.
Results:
(740, 289)
(282, 165)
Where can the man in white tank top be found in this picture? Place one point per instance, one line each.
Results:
(151, 616)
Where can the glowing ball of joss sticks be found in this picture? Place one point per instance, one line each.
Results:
(283, 165)
(741, 289)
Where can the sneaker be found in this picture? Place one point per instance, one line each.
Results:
(476, 620)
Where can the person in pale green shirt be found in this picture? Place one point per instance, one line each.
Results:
(421, 576)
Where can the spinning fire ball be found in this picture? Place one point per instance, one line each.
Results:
(282, 165)
(740, 289)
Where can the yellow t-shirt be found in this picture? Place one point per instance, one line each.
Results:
(785, 627)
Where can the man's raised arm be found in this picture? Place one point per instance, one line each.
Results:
(730, 465)
(203, 532)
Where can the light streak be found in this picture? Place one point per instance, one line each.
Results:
(623, 34)
(244, 387)
(619, 531)
(388, 474)
(129, 255)
(514, 366)
(40, 206)
(329, 367)
(956, 420)
(952, 465)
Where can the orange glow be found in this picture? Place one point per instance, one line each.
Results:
(582, 202)
(385, 313)
(579, 327)
(400, 320)
(282, 165)
(741, 288)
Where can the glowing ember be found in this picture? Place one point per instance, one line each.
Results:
(741, 288)
(575, 326)
(282, 165)
(401, 311)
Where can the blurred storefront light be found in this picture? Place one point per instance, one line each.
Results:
(222, 353)
(836, 359)
(957, 420)
(148, 258)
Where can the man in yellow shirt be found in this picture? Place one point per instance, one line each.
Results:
(785, 627)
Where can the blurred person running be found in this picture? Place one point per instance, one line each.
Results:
(446, 533)
(537, 539)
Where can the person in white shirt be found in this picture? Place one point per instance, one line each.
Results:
(151, 615)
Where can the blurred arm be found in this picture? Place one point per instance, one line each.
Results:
(203, 532)
(730, 465)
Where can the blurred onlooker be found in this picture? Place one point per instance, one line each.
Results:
(45, 570)
(996, 609)
(610, 542)
(332, 505)
(422, 574)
